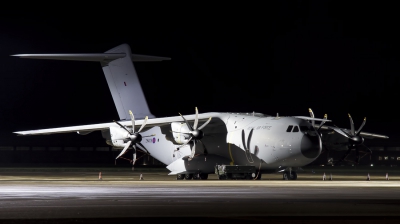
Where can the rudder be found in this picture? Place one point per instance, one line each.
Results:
(124, 85)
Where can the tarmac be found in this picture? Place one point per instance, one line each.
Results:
(78, 195)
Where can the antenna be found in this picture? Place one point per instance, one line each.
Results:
(277, 115)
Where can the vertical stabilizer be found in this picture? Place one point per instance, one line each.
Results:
(124, 85)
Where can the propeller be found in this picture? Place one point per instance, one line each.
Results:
(133, 138)
(311, 115)
(247, 147)
(354, 139)
(195, 134)
(313, 122)
(322, 123)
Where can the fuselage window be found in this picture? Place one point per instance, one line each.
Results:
(289, 129)
(296, 129)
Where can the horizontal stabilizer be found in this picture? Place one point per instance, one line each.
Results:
(140, 57)
(99, 57)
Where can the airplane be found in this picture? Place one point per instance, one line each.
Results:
(241, 145)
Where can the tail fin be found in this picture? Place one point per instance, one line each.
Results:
(120, 74)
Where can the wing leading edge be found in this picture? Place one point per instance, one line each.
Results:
(85, 129)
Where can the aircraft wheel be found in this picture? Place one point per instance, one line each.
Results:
(188, 176)
(204, 176)
(180, 176)
(289, 176)
(196, 176)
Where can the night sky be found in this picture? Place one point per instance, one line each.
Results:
(286, 57)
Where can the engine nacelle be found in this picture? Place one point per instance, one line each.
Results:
(118, 143)
(117, 136)
(180, 127)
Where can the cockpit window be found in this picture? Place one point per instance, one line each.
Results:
(289, 129)
(304, 128)
(296, 129)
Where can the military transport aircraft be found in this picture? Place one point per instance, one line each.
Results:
(232, 145)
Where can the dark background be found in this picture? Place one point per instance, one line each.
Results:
(282, 57)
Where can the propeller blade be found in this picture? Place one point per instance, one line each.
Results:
(249, 138)
(339, 131)
(133, 121)
(344, 156)
(247, 147)
(362, 125)
(352, 126)
(370, 151)
(311, 112)
(144, 123)
(311, 115)
(140, 146)
(185, 143)
(124, 150)
(187, 123)
(243, 139)
(323, 122)
(196, 120)
(123, 127)
(208, 121)
(367, 148)
(134, 156)
(204, 146)
(193, 151)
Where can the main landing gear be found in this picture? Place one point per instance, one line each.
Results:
(289, 175)
(194, 176)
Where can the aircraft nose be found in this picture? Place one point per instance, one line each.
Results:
(311, 146)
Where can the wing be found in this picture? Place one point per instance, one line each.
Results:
(86, 129)
(329, 129)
